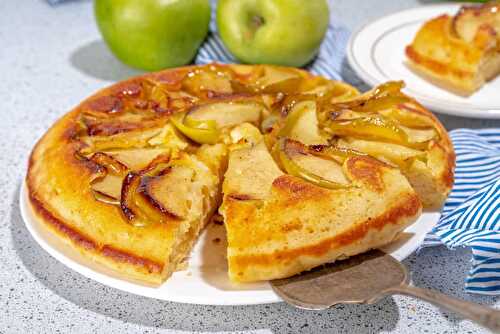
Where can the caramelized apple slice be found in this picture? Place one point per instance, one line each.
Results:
(273, 75)
(470, 18)
(419, 135)
(303, 124)
(139, 158)
(346, 114)
(104, 106)
(204, 133)
(159, 95)
(407, 118)
(136, 212)
(268, 123)
(379, 103)
(102, 197)
(383, 90)
(300, 123)
(273, 80)
(132, 139)
(292, 118)
(382, 97)
(164, 137)
(387, 88)
(332, 91)
(168, 137)
(388, 152)
(202, 123)
(107, 127)
(112, 165)
(159, 194)
(286, 86)
(335, 153)
(169, 191)
(336, 93)
(215, 79)
(227, 113)
(289, 152)
(245, 135)
(106, 187)
(327, 168)
(374, 127)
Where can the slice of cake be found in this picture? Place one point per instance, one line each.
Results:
(279, 224)
(460, 53)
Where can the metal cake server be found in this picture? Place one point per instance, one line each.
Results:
(366, 278)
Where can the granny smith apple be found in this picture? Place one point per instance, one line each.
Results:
(153, 34)
(281, 32)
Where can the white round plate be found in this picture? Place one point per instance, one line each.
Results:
(376, 52)
(205, 280)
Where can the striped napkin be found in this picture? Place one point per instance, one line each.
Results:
(470, 216)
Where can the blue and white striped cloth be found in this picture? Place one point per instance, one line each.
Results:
(470, 216)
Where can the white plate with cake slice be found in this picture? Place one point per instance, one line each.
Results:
(376, 52)
(205, 280)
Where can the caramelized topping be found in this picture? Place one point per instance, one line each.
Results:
(106, 104)
(288, 149)
(135, 134)
(384, 114)
(202, 132)
(213, 78)
(131, 89)
(106, 185)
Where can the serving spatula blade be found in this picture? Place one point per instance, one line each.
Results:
(364, 279)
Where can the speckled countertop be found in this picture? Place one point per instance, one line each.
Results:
(50, 59)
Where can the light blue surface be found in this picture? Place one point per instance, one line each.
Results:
(53, 57)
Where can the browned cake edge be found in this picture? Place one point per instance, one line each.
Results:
(284, 262)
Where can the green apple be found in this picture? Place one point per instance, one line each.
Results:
(153, 34)
(281, 32)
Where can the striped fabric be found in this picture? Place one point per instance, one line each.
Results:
(471, 215)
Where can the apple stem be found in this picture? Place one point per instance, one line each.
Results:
(257, 21)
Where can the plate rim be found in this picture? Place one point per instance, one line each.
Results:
(30, 220)
(430, 103)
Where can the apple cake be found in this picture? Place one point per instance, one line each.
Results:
(304, 170)
(461, 52)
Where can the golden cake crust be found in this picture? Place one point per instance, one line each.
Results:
(56, 179)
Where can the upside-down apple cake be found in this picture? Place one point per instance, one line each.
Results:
(304, 170)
